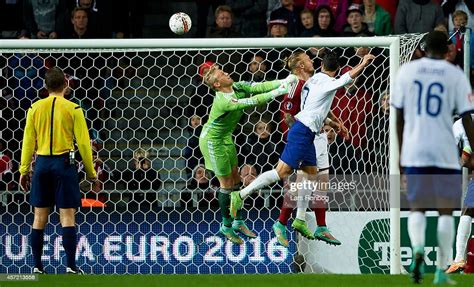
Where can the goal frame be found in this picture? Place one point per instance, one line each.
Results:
(392, 43)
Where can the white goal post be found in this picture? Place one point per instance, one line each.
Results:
(400, 49)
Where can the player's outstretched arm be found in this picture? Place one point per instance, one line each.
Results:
(259, 88)
(359, 68)
(234, 104)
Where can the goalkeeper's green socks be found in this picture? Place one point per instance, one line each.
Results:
(238, 216)
(223, 196)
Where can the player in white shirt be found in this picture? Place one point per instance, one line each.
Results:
(465, 222)
(427, 93)
(300, 153)
(302, 66)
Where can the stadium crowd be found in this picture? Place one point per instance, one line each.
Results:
(362, 108)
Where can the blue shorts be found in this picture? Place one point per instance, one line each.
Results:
(55, 182)
(433, 187)
(469, 199)
(299, 150)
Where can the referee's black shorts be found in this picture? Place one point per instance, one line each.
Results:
(55, 182)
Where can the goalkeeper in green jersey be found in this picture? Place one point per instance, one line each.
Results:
(216, 142)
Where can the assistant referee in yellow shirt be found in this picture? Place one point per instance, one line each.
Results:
(52, 125)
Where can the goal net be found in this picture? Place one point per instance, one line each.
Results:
(155, 210)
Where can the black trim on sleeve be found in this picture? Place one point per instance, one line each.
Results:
(51, 132)
(467, 112)
(396, 107)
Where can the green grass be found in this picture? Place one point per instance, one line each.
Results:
(279, 280)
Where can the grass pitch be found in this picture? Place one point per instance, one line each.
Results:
(274, 280)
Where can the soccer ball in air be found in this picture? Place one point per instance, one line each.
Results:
(180, 23)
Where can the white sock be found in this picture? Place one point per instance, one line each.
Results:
(261, 181)
(463, 233)
(445, 240)
(417, 229)
(302, 203)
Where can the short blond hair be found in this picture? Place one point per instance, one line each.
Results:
(459, 13)
(209, 76)
(293, 60)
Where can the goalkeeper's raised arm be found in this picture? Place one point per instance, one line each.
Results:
(232, 96)
(264, 87)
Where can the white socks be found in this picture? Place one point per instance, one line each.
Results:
(261, 181)
(445, 240)
(464, 231)
(417, 229)
(302, 202)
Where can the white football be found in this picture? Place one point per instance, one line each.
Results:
(180, 23)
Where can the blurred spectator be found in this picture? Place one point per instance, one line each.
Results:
(45, 19)
(249, 17)
(248, 173)
(203, 7)
(330, 133)
(191, 152)
(201, 178)
(278, 28)
(224, 27)
(355, 27)
(338, 8)
(11, 24)
(418, 16)
(257, 69)
(92, 15)
(141, 176)
(260, 150)
(460, 20)
(80, 25)
(307, 20)
(6, 167)
(325, 22)
(385, 103)
(450, 6)
(377, 19)
(289, 12)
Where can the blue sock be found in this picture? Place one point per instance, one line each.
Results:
(69, 244)
(37, 241)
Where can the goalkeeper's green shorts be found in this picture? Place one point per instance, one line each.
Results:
(219, 155)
